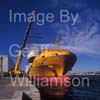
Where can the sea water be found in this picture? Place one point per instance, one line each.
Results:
(91, 92)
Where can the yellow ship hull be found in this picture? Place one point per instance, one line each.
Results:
(49, 65)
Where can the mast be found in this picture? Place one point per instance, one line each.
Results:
(20, 54)
(57, 42)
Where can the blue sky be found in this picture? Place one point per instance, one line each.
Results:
(82, 38)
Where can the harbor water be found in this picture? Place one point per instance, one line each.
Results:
(91, 92)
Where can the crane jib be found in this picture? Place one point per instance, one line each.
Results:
(27, 32)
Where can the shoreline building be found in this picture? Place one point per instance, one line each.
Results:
(6, 64)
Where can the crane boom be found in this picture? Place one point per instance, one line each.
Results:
(27, 31)
(17, 69)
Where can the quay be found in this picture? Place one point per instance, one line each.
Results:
(17, 92)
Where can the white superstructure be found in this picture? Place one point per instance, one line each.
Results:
(33, 53)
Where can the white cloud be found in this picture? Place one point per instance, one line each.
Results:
(77, 40)
(81, 41)
(82, 38)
